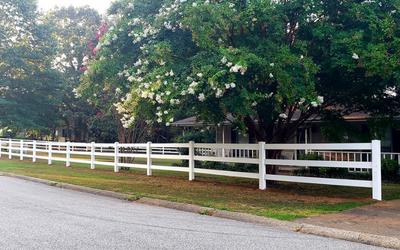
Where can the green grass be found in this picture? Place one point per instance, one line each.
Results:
(284, 201)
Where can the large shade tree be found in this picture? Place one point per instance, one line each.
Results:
(75, 30)
(274, 65)
(29, 87)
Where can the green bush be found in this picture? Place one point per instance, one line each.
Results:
(390, 170)
(337, 173)
(327, 172)
(237, 167)
(314, 171)
(311, 157)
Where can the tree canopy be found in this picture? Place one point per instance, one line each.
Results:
(28, 85)
(74, 29)
(274, 65)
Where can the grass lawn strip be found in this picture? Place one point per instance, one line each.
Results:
(284, 201)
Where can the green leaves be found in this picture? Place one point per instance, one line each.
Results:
(263, 62)
(29, 87)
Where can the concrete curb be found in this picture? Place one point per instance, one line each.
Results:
(359, 237)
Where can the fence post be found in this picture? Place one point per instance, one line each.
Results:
(376, 170)
(149, 161)
(21, 149)
(9, 149)
(261, 166)
(93, 149)
(116, 157)
(0, 147)
(191, 161)
(34, 151)
(50, 153)
(68, 154)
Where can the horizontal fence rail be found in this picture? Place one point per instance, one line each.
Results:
(353, 156)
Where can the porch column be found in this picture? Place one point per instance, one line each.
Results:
(223, 141)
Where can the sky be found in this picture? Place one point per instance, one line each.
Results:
(99, 5)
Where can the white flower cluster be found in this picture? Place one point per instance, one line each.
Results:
(119, 108)
(175, 101)
(128, 97)
(159, 98)
(135, 22)
(283, 116)
(168, 25)
(98, 47)
(320, 100)
(138, 63)
(230, 85)
(148, 30)
(127, 122)
(201, 97)
(390, 91)
(238, 68)
(269, 95)
(77, 95)
(165, 11)
(106, 43)
(224, 60)
(219, 93)
(191, 88)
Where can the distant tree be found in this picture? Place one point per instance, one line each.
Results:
(29, 87)
(75, 30)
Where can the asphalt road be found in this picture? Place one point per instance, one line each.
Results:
(37, 216)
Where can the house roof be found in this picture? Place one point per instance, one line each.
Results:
(191, 121)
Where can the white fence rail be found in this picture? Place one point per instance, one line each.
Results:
(227, 153)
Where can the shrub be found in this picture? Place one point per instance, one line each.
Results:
(390, 170)
(311, 157)
(327, 172)
(314, 171)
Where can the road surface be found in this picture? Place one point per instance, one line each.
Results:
(37, 216)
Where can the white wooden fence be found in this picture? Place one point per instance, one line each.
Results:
(354, 156)
(231, 153)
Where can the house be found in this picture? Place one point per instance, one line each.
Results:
(312, 134)
(76, 131)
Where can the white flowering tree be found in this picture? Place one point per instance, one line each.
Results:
(274, 65)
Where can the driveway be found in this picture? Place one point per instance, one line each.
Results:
(37, 216)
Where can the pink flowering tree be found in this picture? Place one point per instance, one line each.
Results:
(274, 65)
